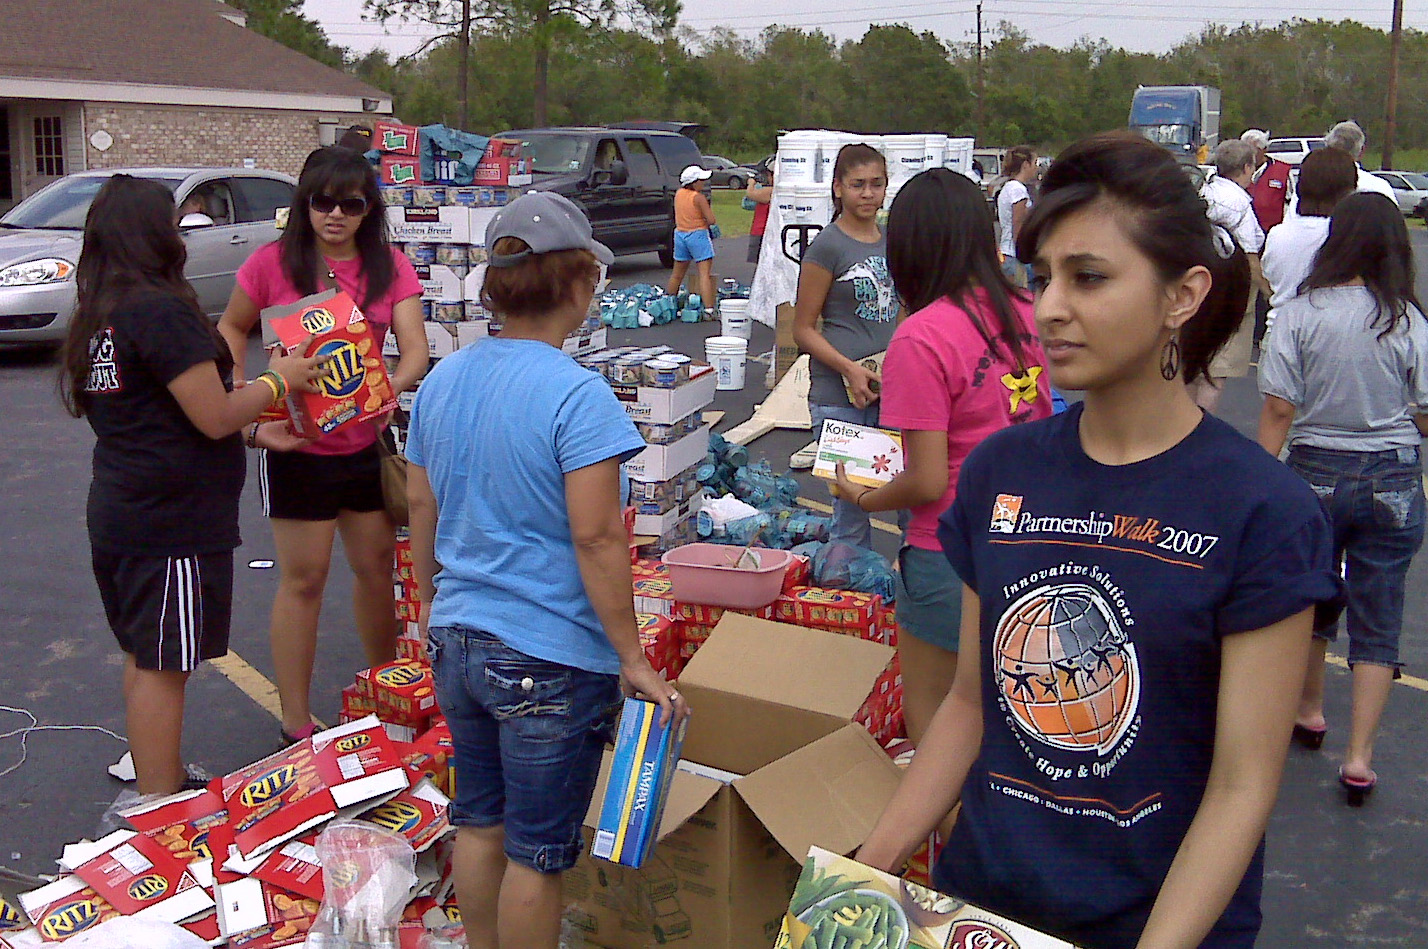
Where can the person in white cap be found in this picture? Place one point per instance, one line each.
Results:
(1271, 185)
(693, 234)
(515, 453)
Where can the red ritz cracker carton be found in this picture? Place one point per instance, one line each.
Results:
(647, 568)
(355, 387)
(253, 914)
(278, 798)
(653, 594)
(691, 637)
(837, 610)
(15, 926)
(798, 574)
(840, 902)
(181, 822)
(293, 867)
(403, 688)
(660, 639)
(701, 614)
(65, 908)
(421, 814)
(437, 745)
(139, 876)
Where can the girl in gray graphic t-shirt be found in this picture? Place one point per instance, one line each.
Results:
(843, 280)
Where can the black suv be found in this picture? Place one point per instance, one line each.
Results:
(625, 179)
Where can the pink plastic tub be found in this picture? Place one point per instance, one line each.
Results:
(705, 573)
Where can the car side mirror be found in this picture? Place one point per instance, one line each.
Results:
(195, 219)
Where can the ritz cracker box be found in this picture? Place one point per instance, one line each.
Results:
(873, 456)
(355, 387)
(840, 902)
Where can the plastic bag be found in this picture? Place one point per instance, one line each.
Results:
(367, 876)
(845, 567)
(127, 932)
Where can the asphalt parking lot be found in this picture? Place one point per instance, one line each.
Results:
(1336, 877)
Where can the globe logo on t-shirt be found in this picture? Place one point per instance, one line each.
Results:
(1066, 671)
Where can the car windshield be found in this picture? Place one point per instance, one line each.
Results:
(1166, 134)
(65, 204)
(553, 153)
(1415, 181)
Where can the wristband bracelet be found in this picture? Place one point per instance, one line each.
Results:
(272, 388)
(276, 382)
(252, 440)
(865, 493)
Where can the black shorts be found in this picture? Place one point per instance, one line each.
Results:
(301, 486)
(169, 613)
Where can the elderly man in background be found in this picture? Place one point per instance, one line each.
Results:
(1228, 204)
(1349, 137)
(1271, 185)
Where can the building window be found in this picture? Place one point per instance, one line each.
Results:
(49, 146)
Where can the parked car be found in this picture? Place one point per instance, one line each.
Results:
(727, 174)
(1293, 150)
(41, 237)
(1410, 190)
(625, 179)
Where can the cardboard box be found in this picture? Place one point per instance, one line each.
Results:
(294, 867)
(643, 764)
(406, 688)
(471, 331)
(837, 899)
(821, 608)
(139, 876)
(181, 822)
(278, 798)
(785, 349)
(421, 814)
(798, 774)
(65, 908)
(400, 170)
(873, 363)
(584, 342)
(439, 282)
(253, 914)
(502, 172)
(873, 456)
(439, 339)
(662, 462)
(354, 388)
(657, 524)
(450, 224)
(653, 594)
(659, 637)
(666, 406)
(396, 138)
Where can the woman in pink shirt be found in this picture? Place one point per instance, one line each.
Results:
(964, 364)
(336, 236)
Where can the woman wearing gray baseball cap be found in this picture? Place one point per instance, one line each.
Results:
(522, 561)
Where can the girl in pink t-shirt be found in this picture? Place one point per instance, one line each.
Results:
(336, 235)
(964, 364)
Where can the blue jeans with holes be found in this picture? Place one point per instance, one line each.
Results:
(528, 736)
(1375, 503)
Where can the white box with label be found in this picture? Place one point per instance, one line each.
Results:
(666, 406)
(662, 462)
(444, 225)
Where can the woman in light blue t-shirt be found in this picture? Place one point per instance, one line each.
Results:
(523, 568)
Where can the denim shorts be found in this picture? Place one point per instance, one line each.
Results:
(693, 245)
(528, 736)
(1375, 503)
(929, 597)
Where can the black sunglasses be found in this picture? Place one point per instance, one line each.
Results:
(326, 204)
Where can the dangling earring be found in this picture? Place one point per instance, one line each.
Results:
(1170, 359)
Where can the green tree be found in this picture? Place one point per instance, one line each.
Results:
(891, 58)
(283, 21)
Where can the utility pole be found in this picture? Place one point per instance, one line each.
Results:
(464, 44)
(1390, 125)
(981, 81)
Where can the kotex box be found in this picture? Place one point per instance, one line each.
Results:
(355, 387)
(871, 456)
(646, 753)
(839, 901)
(772, 765)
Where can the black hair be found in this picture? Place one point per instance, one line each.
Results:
(1368, 240)
(1326, 177)
(131, 246)
(1164, 217)
(1016, 159)
(357, 137)
(849, 157)
(337, 171)
(941, 243)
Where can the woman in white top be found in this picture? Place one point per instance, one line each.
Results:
(1326, 177)
(1013, 206)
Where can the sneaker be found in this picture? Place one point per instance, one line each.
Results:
(302, 734)
(803, 459)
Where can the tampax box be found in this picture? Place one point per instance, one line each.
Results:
(354, 386)
(646, 753)
(283, 795)
(396, 138)
(773, 707)
(838, 901)
(872, 456)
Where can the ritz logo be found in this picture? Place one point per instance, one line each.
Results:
(453, 912)
(820, 596)
(10, 917)
(269, 786)
(345, 371)
(318, 321)
(397, 816)
(400, 676)
(646, 621)
(975, 934)
(199, 845)
(69, 919)
(352, 743)
(344, 873)
(148, 887)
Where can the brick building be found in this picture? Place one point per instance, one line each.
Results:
(125, 83)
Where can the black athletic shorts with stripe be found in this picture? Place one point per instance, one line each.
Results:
(169, 613)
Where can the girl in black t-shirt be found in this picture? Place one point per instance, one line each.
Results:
(154, 379)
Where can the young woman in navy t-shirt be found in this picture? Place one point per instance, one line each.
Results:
(1139, 589)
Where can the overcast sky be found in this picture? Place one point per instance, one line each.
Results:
(1143, 25)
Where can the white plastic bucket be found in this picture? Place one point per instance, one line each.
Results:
(812, 203)
(906, 155)
(934, 150)
(959, 155)
(830, 143)
(734, 318)
(797, 156)
(726, 354)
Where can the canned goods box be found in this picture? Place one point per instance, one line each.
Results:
(839, 901)
(655, 525)
(665, 406)
(440, 225)
(662, 462)
(871, 456)
(782, 763)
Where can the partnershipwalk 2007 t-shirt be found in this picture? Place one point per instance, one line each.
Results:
(1106, 592)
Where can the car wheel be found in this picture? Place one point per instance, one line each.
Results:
(666, 254)
(737, 184)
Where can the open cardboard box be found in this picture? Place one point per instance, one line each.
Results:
(801, 775)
